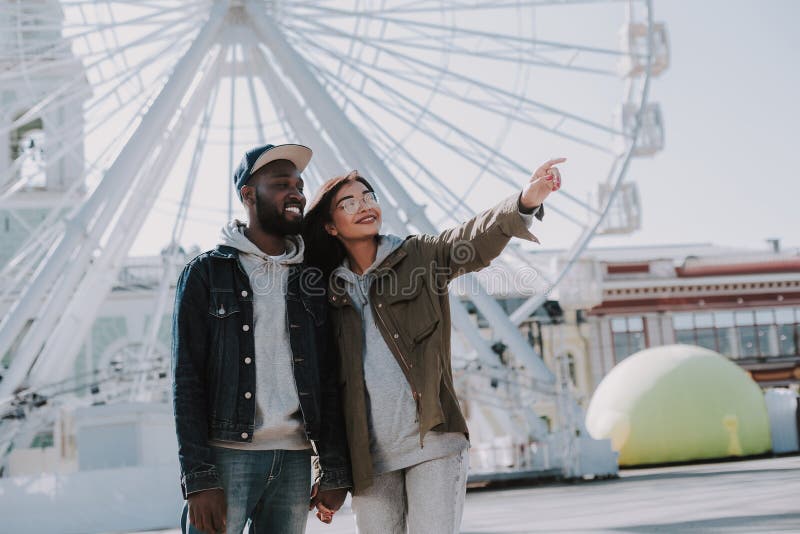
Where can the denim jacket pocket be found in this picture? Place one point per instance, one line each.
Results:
(222, 304)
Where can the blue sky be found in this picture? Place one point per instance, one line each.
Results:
(730, 172)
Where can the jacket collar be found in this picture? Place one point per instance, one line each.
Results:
(391, 260)
(337, 289)
(226, 252)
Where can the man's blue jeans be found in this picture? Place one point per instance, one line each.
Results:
(271, 489)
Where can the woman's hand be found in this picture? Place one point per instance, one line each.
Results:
(327, 502)
(544, 181)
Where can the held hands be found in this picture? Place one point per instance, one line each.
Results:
(327, 502)
(544, 181)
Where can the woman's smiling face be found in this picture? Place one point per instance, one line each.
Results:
(355, 213)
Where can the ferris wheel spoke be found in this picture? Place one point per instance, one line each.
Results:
(155, 17)
(94, 29)
(69, 142)
(197, 157)
(99, 56)
(474, 144)
(70, 91)
(422, 114)
(390, 146)
(159, 34)
(152, 4)
(253, 98)
(331, 13)
(424, 6)
(486, 105)
(508, 111)
(502, 52)
(499, 93)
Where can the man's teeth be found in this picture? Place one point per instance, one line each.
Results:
(293, 209)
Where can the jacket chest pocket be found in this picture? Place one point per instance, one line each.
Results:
(413, 312)
(222, 304)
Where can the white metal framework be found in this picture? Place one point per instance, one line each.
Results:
(124, 119)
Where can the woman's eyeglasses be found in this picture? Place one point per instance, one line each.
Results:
(352, 205)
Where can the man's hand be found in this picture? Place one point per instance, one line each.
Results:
(208, 510)
(544, 181)
(327, 502)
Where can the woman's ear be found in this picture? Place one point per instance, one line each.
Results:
(331, 229)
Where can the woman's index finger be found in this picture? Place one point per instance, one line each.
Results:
(554, 161)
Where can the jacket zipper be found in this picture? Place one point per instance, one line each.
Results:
(399, 352)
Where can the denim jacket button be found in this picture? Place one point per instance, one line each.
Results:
(248, 395)
(246, 327)
(245, 435)
(248, 360)
(244, 293)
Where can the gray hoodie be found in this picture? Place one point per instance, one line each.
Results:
(278, 423)
(393, 425)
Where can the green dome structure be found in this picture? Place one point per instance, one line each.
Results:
(678, 403)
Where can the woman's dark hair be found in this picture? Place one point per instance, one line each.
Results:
(322, 250)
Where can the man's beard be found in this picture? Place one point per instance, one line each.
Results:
(274, 221)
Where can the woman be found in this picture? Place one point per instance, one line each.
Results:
(390, 315)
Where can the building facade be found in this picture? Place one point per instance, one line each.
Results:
(742, 304)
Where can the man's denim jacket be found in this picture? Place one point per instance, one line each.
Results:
(213, 365)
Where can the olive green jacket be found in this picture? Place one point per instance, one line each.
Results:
(410, 304)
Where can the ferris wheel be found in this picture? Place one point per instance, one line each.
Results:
(125, 118)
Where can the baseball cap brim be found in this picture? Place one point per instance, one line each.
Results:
(298, 154)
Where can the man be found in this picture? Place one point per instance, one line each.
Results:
(255, 388)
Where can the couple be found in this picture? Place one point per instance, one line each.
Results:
(316, 341)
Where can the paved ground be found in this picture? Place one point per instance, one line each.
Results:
(732, 497)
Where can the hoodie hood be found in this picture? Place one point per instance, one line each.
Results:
(232, 235)
(386, 245)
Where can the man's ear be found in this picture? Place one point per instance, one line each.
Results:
(331, 229)
(248, 195)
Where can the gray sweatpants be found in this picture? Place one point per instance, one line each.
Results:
(421, 499)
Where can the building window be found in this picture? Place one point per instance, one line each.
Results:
(628, 336)
(28, 146)
(788, 330)
(573, 375)
(742, 334)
